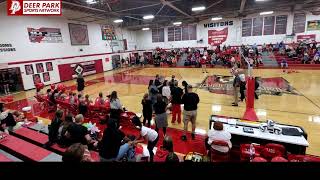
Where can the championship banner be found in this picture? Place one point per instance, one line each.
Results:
(45, 35)
(306, 38)
(217, 37)
(313, 25)
(108, 32)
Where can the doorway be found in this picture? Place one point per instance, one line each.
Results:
(10, 81)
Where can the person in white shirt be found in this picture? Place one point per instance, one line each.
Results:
(146, 134)
(166, 92)
(218, 134)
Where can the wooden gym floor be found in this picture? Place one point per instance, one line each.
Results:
(301, 110)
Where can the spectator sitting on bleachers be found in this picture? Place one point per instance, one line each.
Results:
(76, 133)
(168, 146)
(7, 120)
(77, 153)
(62, 140)
(305, 59)
(114, 145)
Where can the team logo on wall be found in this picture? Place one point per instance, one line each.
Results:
(217, 37)
(108, 32)
(219, 84)
(33, 7)
(78, 34)
(78, 69)
(45, 35)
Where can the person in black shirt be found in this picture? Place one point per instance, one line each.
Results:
(185, 85)
(161, 119)
(236, 87)
(76, 133)
(80, 84)
(114, 144)
(146, 109)
(54, 128)
(190, 101)
(176, 95)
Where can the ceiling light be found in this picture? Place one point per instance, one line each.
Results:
(148, 17)
(216, 18)
(177, 23)
(261, 0)
(266, 13)
(91, 1)
(118, 21)
(145, 29)
(200, 8)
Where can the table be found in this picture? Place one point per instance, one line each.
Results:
(293, 144)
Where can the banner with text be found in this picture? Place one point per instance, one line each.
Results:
(306, 38)
(217, 37)
(45, 35)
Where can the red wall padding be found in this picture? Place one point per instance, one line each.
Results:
(66, 71)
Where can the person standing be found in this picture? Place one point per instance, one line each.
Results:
(161, 119)
(146, 109)
(115, 106)
(166, 92)
(236, 88)
(80, 84)
(242, 86)
(176, 95)
(190, 101)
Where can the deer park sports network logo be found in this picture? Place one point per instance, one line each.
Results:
(34, 7)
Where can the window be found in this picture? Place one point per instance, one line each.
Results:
(184, 33)
(158, 35)
(299, 23)
(268, 28)
(268, 25)
(257, 26)
(246, 27)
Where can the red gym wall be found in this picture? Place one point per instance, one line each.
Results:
(66, 70)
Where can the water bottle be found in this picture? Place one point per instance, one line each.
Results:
(252, 151)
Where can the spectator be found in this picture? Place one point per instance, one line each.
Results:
(161, 118)
(176, 95)
(68, 121)
(54, 128)
(190, 101)
(153, 91)
(236, 87)
(76, 133)
(7, 120)
(115, 106)
(185, 86)
(146, 134)
(82, 107)
(218, 134)
(166, 92)
(168, 146)
(146, 109)
(114, 144)
(77, 153)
